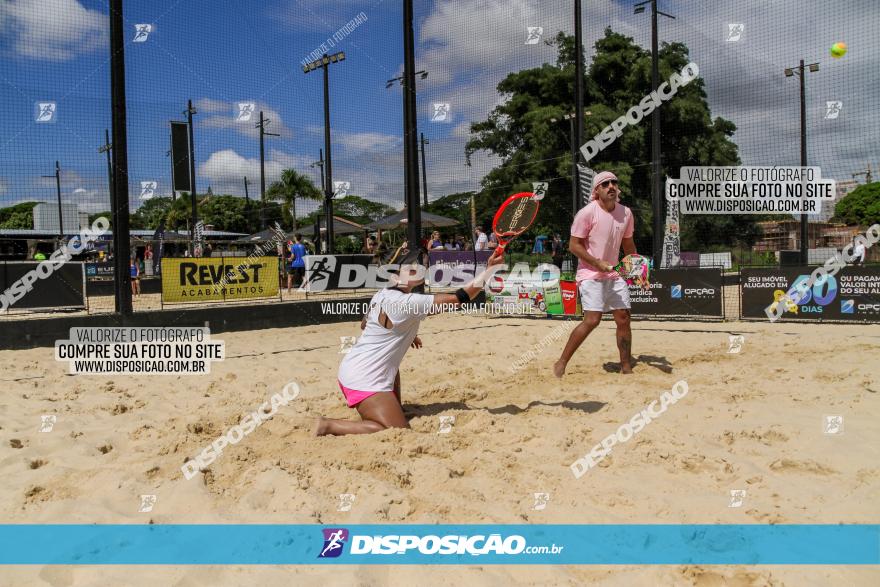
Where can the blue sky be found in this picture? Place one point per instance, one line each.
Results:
(219, 53)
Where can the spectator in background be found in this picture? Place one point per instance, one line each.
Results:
(208, 250)
(859, 254)
(135, 273)
(481, 241)
(436, 241)
(148, 259)
(369, 246)
(297, 262)
(493, 241)
(459, 242)
(556, 252)
(381, 249)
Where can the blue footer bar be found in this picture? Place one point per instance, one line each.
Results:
(257, 544)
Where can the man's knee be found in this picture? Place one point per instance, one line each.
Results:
(621, 317)
(592, 321)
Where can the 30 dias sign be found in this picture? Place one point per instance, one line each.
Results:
(218, 279)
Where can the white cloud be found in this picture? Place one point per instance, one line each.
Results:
(225, 170)
(52, 30)
(367, 141)
(225, 116)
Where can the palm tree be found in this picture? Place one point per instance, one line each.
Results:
(291, 186)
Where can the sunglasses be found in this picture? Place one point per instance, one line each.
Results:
(608, 182)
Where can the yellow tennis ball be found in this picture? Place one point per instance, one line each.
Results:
(838, 50)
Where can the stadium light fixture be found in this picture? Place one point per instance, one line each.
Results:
(800, 70)
(324, 62)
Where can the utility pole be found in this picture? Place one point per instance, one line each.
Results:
(263, 132)
(105, 148)
(424, 142)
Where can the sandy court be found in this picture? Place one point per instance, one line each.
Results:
(751, 421)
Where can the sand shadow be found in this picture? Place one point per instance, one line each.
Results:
(415, 410)
(660, 363)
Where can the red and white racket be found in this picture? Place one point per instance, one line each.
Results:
(514, 217)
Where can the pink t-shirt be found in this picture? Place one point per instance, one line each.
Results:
(604, 232)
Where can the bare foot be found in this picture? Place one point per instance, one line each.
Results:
(559, 369)
(625, 369)
(320, 428)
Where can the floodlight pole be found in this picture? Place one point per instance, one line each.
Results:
(657, 197)
(121, 244)
(578, 107)
(801, 70)
(328, 164)
(410, 136)
(805, 245)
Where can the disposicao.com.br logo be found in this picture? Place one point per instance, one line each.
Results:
(334, 540)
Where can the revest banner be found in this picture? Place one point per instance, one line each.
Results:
(852, 294)
(217, 279)
(679, 292)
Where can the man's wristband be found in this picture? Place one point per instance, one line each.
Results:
(462, 296)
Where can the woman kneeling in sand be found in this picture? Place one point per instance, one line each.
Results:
(369, 374)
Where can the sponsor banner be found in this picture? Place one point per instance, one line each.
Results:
(458, 544)
(457, 267)
(852, 294)
(563, 299)
(671, 240)
(325, 272)
(217, 279)
(679, 292)
(95, 270)
(517, 293)
(63, 288)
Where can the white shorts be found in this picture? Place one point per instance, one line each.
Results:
(604, 295)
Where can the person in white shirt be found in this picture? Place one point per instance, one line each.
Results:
(369, 375)
(482, 242)
(859, 253)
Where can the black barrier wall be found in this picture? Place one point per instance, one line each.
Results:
(853, 294)
(323, 272)
(63, 288)
(680, 292)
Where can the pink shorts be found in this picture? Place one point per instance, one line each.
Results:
(354, 397)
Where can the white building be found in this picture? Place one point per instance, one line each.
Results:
(46, 217)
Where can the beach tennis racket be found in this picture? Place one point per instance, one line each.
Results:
(514, 217)
(635, 270)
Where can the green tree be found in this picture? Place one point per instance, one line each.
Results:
(18, 216)
(860, 206)
(360, 210)
(532, 147)
(151, 213)
(292, 186)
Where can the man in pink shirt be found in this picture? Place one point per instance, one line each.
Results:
(597, 233)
